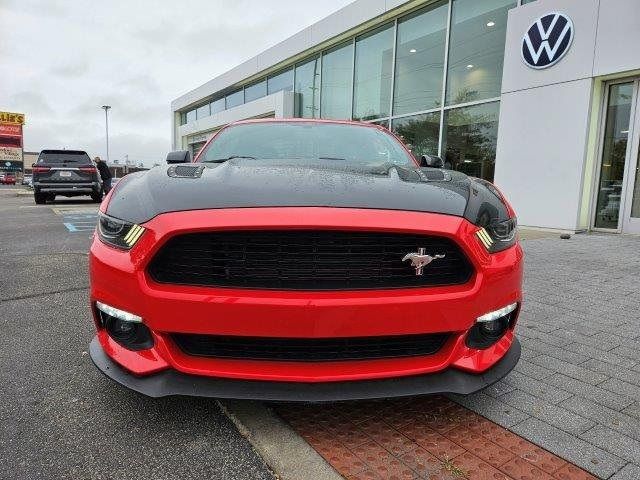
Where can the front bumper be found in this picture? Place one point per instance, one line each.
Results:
(119, 278)
(171, 382)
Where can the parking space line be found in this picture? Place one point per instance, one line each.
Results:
(74, 228)
(74, 210)
(78, 220)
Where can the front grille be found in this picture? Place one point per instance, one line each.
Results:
(309, 350)
(306, 260)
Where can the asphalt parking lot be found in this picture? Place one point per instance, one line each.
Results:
(59, 417)
(575, 392)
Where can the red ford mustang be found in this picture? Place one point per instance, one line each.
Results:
(305, 260)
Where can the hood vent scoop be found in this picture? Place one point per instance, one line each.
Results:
(185, 171)
(434, 175)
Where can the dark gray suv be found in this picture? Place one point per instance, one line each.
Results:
(65, 172)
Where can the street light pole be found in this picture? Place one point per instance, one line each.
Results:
(106, 123)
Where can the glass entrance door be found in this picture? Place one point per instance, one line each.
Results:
(617, 205)
(614, 151)
(631, 212)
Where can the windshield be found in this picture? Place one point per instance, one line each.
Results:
(313, 141)
(64, 157)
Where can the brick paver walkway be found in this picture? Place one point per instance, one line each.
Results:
(422, 438)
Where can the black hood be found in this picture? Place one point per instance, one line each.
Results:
(265, 183)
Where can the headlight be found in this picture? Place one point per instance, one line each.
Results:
(118, 233)
(499, 235)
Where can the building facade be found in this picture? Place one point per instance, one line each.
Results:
(539, 96)
(29, 159)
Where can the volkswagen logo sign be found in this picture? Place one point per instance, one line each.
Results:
(547, 40)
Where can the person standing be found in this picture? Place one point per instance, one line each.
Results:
(105, 174)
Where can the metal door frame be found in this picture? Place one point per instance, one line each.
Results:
(634, 132)
(630, 224)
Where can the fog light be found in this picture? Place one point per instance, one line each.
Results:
(490, 327)
(125, 328)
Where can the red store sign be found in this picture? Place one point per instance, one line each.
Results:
(10, 129)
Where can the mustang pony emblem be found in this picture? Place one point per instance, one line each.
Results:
(421, 259)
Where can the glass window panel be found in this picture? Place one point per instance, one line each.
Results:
(335, 101)
(476, 49)
(217, 106)
(235, 99)
(280, 81)
(255, 91)
(614, 155)
(372, 79)
(308, 89)
(527, 1)
(195, 148)
(183, 118)
(191, 116)
(469, 139)
(420, 60)
(203, 111)
(420, 133)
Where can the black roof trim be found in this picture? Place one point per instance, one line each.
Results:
(70, 152)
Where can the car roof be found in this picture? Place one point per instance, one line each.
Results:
(306, 120)
(71, 152)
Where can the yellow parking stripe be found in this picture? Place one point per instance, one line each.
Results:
(73, 210)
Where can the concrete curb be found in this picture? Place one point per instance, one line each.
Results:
(283, 450)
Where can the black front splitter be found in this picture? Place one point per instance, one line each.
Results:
(171, 382)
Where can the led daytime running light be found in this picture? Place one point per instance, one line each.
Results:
(133, 235)
(491, 316)
(117, 313)
(485, 238)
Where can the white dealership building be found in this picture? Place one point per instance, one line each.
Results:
(539, 96)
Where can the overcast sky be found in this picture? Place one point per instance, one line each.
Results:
(62, 60)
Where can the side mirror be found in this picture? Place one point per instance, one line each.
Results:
(179, 156)
(431, 161)
(33, 165)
